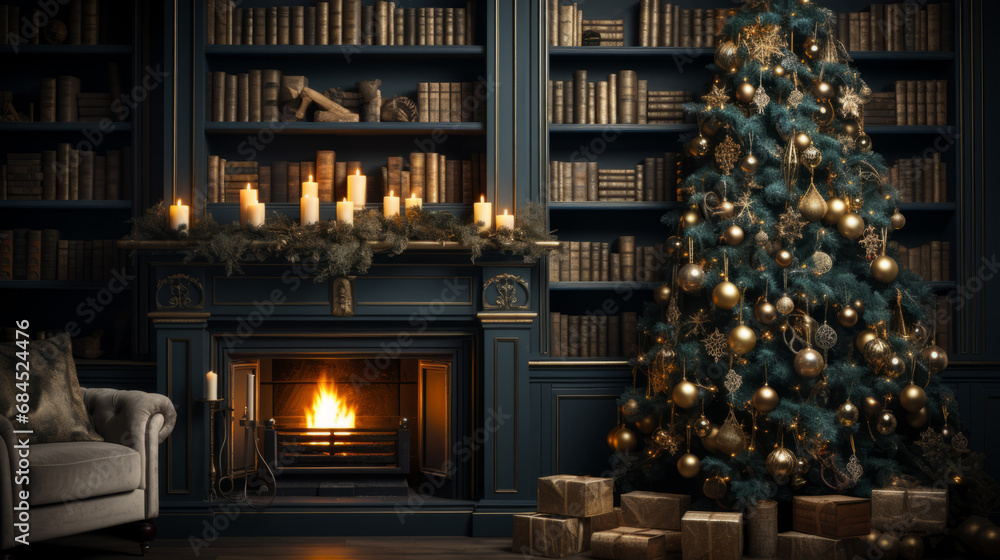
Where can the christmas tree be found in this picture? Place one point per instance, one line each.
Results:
(789, 354)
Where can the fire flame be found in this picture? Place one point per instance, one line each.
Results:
(329, 410)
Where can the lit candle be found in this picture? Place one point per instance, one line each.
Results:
(308, 210)
(310, 188)
(212, 386)
(251, 403)
(255, 215)
(505, 220)
(345, 212)
(414, 202)
(180, 215)
(482, 211)
(248, 196)
(356, 189)
(390, 205)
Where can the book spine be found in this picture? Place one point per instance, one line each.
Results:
(352, 22)
(271, 80)
(298, 25)
(411, 31)
(645, 20)
(455, 108)
(569, 103)
(627, 103)
(243, 98)
(431, 184)
(642, 101)
(325, 160)
(336, 25)
(580, 96)
(86, 175)
(33, 255)
(941, 105)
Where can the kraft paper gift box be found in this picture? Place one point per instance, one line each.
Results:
(910, 509)
(654, 510)
(636, 543)
(712, 535)
(796, 546)
(576, 496)
(541, 534)
(831, 516)
(598, 523)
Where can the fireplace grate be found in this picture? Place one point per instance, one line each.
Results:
(339, 450)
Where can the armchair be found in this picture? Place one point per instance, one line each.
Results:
(81, 486)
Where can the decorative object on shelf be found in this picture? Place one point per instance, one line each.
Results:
(180, 216)
(399, 109)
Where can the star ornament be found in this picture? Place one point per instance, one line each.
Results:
(715, 98)
(790, 225)
(764, 42)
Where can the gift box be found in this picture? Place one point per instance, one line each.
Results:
(761, 530)
(598, 523)
(796, 546)
(712, 535)
(636, 543)
(541, 534)
(654, 510)
(831, 516)
(910, 509)
(576, 496)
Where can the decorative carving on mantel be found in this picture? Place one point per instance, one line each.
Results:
(342, 296)
(180, 291)
(506, 290)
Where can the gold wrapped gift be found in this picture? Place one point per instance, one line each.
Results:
(654, 510)
(831, 516)
(636, 543)
(712, 535)
(540, 534)
(598, 523)
(910, 509)
(796, 546)
(576, 496)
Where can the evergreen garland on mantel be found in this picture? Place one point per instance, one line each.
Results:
(339, 250)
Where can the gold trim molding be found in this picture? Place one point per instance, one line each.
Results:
(506, 317)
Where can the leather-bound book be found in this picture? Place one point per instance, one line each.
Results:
(627, 100)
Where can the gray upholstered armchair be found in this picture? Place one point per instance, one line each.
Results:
(81, 486)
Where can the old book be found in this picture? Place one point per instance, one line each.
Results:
(284, 25)
(63, 166)
(434, 102)
(911, 102)
(580, 97)
(395, 171)
(33, 255)
(339, 180)
(566, 31)
(941, 106)
(47, 100)
(270, 110)
(49, 254)
(646, 8)
(921, 102)
(900, 102)
(431, 180)
(627, 101)
(212, 180)
(351, 22)
(685, 28)
(86, 175)
(585, 261)
(423, 102)
(264, 187)
(229, 101)
(641, 100)
(294, 182)
(67, 87)
(325, 160)
(558, 103)
(574, 261)
(947, 26)
(417, 174)
(455, 107)
(210, 10)
(640, 182)
(468, 101)
(336, 22)
(50, 175)
(569, 103)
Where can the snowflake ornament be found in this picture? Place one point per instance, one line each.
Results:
(716, 345)
(850, 102)
(871, 242)
(790, 225)
(733, 381)
(696, 324)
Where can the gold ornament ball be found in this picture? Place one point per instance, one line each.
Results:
(987, 541)
(725, 210)
(812, 158)
(911, 547)
(674, 244)
(685, 394)
(898, 220)
(780, 464)
(863, 338)
(859, 306)
(647, 423)
(811, 47)
(809, 363)
(801, 466)
(824, 114)
(630, 407)
(785, 305)
(691, 277)
(733, 235)
(749, 163)
(661, 295)
(918, 334)
(691, 217)
(625, 440)
(918, 419)
(888, 544)
(661, 437)
(702, 426)
(878, 353)
(863, 143)
(969, 528)
(871, 406)
(784, 257)
(847, 316)
(711, 125)
(886, 423)
(714, 488)
(825, 91)
(851, 226)
(836, 207)
(765, 312)
(802, 141)
(765, 399)
(742, 339)
(611, 435)
(895, 367)
(812, 205)
(698, 147)
(711, 440)
(871, 537)
(947, 432)
(885, 269)
(726, 295)
(936, 358)
(851, 128)
(727, 57)
(745, 92)
(847, 414)
(779, 71)
(689, 465)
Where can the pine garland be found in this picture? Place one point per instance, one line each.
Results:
(338, 249)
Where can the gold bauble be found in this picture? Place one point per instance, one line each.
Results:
(835, 208)
(784, 257)
(727, 57)
(888, 545)
(625, 440)
(745, 92)
(911, 547)
(871, 537)
(689, 465)
(812, 205)
(731, 439)
(661, 437)
(947, 432)
(987, 541)
(918, 419)
(863, 338)
(691, 217)
(733, 235)
(918, 334)
(877, 353)
(765, 399)
(885, 269)
(725, 210)
(779, 71)
(898, 220)
(698, 147)
(825, 91)
(851, 226)
(871, 406)
(691, 277)
(936, 358)
(858, 306)
(825, 114)
(851, 128)
(675, 244)
(765, 312)
(812, 158)
(809, 363)
(811, 47)
(611, 435)
(802, 141)
(726, 295)
(630, 407)
(969, 528)
(784, 305)
(661, 295)
(801, 466)
(780, 464)
(685, 394)
(863, 143)
(847, 414)
(847, 316)
(711, 125)
(886, 423)
(895, 367)
(742, 339)
(749, 163)
(714, 488)
(702, 426)
(711, 440)
(647, 423)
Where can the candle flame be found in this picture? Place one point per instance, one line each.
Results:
(390, 192)
(248, 186)
(357, 172)
(413, 195)
(178, 202)
(345, 199)
(305, 196)
(504, 211)
(482, 198)
(310, 178)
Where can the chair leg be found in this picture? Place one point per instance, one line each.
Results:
(145, 533)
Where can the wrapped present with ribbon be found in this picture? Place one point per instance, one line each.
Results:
(654, 510)
(598, 523)
(796, 546)
(636, 543)
(831, 516)
(541, 534)
(709, 535)
(905, 510)
(576, 496)
(761, 529)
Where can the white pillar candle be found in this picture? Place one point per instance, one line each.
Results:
(308, 210)
(482, 211)
(211, 386)
(255, 214)
(180, 215)
(248, 196)
(414, 202)
(310, 188)
(390, 205)
(505, 220)
(345, 212)
(251, 402)
(356, 185)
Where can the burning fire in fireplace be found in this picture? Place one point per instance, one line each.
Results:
(329, 410)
